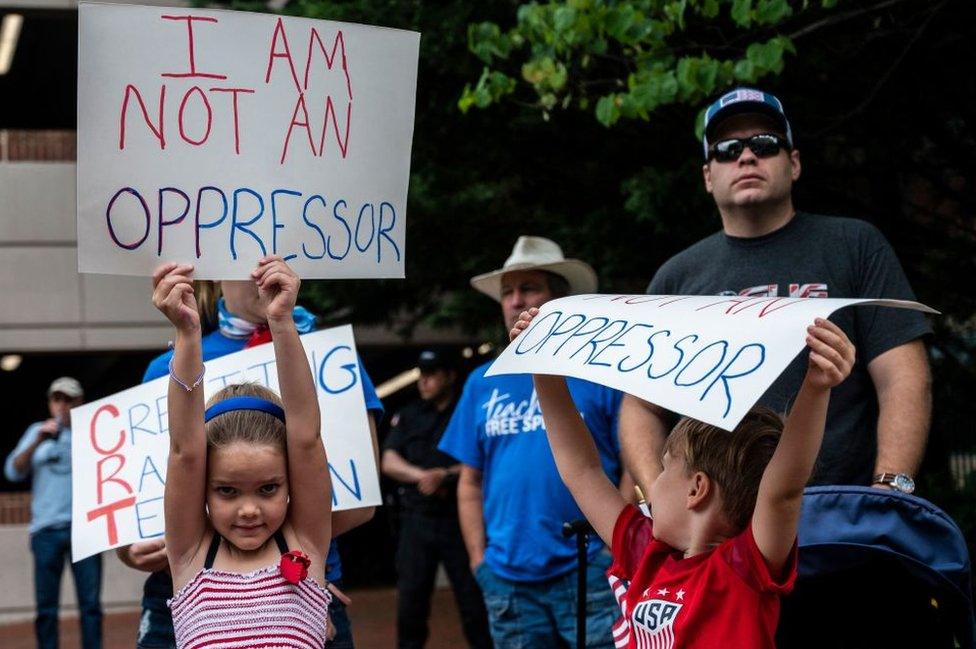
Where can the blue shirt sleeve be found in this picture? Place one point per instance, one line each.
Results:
(614, 398)
(158, 367)
(462, 439)
(373, 402)
(9, 472)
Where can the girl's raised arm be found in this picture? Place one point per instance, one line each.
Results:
(310, 488)
(186, 473)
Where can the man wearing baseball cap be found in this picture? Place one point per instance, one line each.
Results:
(878, 419)
(511, 500)
(44, 454)
(428, 531)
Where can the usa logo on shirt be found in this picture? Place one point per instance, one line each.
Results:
(653, 623)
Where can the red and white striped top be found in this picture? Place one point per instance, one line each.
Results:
(256, 610)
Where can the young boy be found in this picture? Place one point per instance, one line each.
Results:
(709, 569)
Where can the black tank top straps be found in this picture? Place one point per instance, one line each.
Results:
(279, 538)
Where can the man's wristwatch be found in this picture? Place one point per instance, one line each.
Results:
(898, 481)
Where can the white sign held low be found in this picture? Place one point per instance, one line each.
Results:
(217, 137)
(120, 444)
(707, 357)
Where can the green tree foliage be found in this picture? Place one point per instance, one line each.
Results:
(626, 59)
(879, 94)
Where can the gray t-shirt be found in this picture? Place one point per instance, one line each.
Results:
(814, 256)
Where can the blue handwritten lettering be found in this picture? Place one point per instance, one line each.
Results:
(236, 225)
(341, 219)
(149, 468)
(650, 350)
(275, 226)
(725, 375)
(155, 505)
(310, 200)
(199, 225)
(348, 367)
(724, 347)
(351, 486)
(143, 411)
(383, 232)
(162, 220)
(111, 228)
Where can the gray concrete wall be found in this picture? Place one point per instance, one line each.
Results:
(48, 305)
(121, 586)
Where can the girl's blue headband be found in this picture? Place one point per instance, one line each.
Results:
(244, 403)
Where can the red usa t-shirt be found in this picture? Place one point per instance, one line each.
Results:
(722, 598)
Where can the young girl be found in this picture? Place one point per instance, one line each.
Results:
(709, 570)
(248, 496)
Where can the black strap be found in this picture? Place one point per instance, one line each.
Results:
(212, 552)
(279, 538)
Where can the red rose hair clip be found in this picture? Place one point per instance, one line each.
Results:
(294, 566)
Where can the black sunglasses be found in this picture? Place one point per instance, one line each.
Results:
(763, 145)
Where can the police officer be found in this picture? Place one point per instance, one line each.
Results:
(429, 530)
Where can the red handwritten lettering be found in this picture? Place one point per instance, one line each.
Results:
(285, 54)
(772, 308)
(237, 134)
(343, 139)
(732, 301)
(299, 105)
(157, 130)
(190, 49)
(112, 410)
(101, 479)
(108, 511)
(338, 44)
(206, 104)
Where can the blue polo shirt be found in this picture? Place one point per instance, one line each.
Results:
(51, 469)
(215, 345)
(498, 429)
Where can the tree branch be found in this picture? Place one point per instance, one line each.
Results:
(887, 75)
(833, 20)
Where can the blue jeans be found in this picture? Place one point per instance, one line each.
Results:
(339, 618)
(543, 614)
(156, 623)
(50, 547)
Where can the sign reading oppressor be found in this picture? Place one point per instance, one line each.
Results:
(217, 137)
(710, 358)
(120, 444)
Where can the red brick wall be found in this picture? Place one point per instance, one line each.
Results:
(15, 508)
(30, 146)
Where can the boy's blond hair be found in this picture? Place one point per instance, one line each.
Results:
(734, 461)
(250, 426)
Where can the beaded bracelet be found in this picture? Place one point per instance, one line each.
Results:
(188, 388)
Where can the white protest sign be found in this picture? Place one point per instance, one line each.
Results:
(216, 137)
(120, 444)
(706, 357)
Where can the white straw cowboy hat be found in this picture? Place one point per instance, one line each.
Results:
(539, 253)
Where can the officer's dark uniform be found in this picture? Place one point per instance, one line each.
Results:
(429, 532)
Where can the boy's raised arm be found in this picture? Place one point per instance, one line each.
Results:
(777, 513)
(186, 473)
(310, 488)
(573, 449)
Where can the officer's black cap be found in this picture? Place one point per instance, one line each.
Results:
(436, 359)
